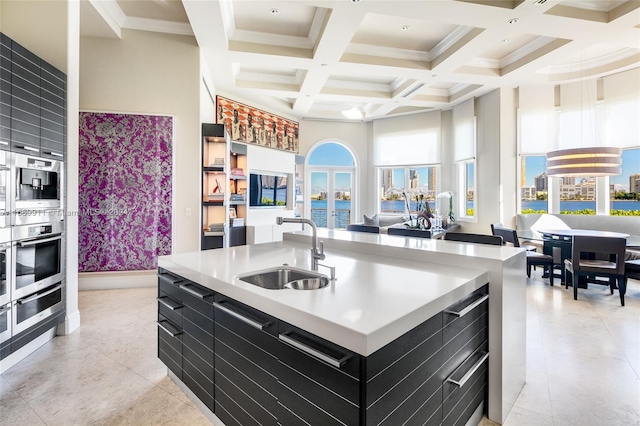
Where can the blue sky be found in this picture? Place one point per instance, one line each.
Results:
(330, 154)
(630, 165)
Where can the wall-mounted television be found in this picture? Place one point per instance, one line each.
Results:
(268, 190)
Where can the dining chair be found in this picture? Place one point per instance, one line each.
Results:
(533, 258)
(525, 245)
(363, 228)
(597, 257)
(406, 232)
(462, 237)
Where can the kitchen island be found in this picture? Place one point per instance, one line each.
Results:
(377, 337)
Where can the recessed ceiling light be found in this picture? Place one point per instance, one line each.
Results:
(434, 75)
(274, 11)
(505, 40)
(355, 1)
(405, 27)
(513, 20)
(324, 65)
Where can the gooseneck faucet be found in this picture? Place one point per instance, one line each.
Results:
(317, 250)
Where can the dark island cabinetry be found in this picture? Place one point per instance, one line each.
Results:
(250, 368)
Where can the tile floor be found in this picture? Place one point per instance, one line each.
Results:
(583, 365)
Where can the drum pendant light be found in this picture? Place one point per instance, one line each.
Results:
(588, 158)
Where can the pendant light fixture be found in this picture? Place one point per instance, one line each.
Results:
(592, 160)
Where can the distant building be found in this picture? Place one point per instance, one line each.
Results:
(634, 183)
(414, 178)
(541, 182)
(528, 193)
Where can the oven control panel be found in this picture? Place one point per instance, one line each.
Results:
(35, 231)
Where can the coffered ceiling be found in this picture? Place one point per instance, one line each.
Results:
(379, 58)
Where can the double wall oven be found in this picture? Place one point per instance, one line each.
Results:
(32, 249)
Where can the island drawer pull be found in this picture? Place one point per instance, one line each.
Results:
(460, 383)
(169, 302)
(469, 308)
(338, 363)
(194, 292)
(169, 328)
(252, 323)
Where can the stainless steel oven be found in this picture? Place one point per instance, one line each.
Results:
(5, 190)
(5, 265)
(5, 322)
(37, 192)
(30, 310)
(38, 258)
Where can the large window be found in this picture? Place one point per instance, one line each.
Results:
(625, 188)
(401, 189)
(533, 184)
(467, 189)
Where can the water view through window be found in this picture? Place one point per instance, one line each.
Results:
(578, 195)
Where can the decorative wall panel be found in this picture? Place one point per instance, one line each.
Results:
(124, 191)
(251, 125)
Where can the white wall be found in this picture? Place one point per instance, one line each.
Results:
(153, 73)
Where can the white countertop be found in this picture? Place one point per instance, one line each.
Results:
(374, 300)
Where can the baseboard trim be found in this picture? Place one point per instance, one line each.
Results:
(116, 279)
(71, 323)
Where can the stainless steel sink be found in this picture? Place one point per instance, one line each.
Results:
(282, 277)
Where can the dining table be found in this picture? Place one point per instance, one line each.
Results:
(558, 243)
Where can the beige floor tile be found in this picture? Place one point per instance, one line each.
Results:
(583, 365)
(155, 407)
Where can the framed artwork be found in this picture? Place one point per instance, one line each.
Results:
(251, 125)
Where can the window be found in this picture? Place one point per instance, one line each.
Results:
(467, 189)
(533, 184)
(413, 181)
(625, 188)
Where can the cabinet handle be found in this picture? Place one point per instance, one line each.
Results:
(252, 323)
(55, 154)
(173, 305)
(27, 148)
(469, 308)
(38, 295)
(193, 292)
(338, 363)
(5, 309)
(460, 383)
(168, 328)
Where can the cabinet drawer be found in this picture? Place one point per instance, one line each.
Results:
(308, 412)
(21, 94)
(169, 284)
(470, 307)
(170, 347)
(232, 313)
(170, 309)
(230, 408)
(204, 323)
(202, 340)
(465, 388)
(197, 380)
(399, 392)
(198, 298)
(305, 367)
(203, 362)
(463, 345)
(239, 386)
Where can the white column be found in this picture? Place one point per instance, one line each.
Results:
(72, 320)
(553, 195)
(603, 195)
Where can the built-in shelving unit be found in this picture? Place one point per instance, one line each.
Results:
(215, 159)
(224, 189)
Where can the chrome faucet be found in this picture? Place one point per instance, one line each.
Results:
(317, 250)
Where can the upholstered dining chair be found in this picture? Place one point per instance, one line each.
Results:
(407, 232)
(533, 258)
(462, 237)
(597, 257)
